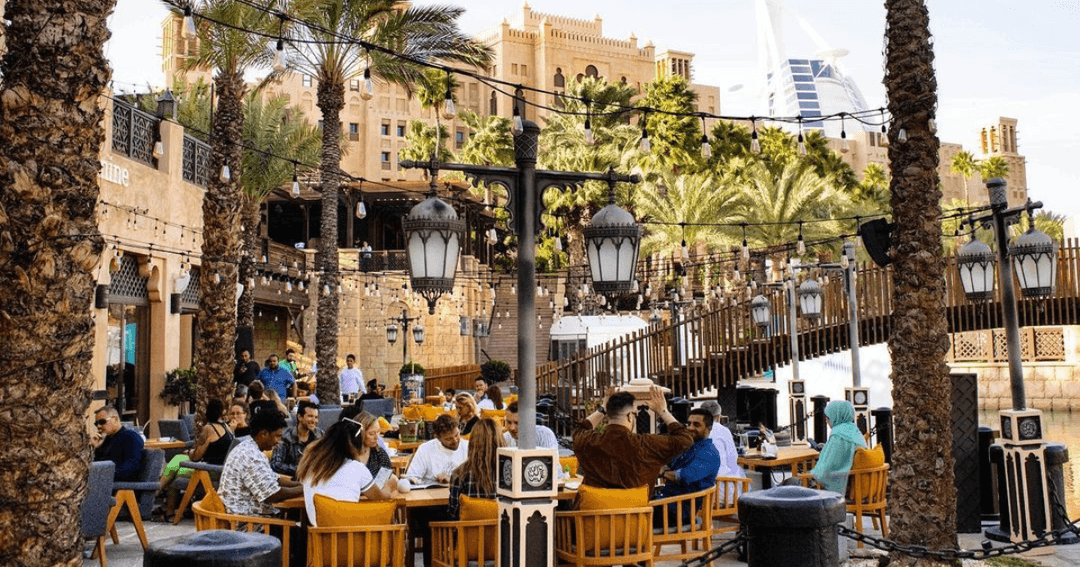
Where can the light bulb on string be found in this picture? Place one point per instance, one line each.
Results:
(226, 175)
(645, 144)
(706, 148)
(932, 126)
(279, 56)
(188, 30)
(588, 122)
(217, 278)
(802, 141)
(901, 136)
(755, 145)
(367, 91)
(449, 111)
(517, 126)
(844, 146)
(295, 183)
(361, 209)
(801, 246)
(883, 123)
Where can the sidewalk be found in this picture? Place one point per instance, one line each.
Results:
(129, 553)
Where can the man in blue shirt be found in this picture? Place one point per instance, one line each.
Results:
(277, 378)
(118, 444)
(696, 468)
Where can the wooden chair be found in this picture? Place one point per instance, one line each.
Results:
(357, 546)
(210, 514)
(798, 468)
(461, 543)
(138, 495)
(726, 503)
(685, 520)
(619, 536)
(866, 494)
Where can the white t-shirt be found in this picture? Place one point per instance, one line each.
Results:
(485, 404)
(347, 485)
(729, 456)
(432, 459)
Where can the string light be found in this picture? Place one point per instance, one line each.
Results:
(188, 30)
(801, 246)
(645, 144)
(706, 149)
(843, 135)
(588, 122)
(225, 175)
(755, 145)
(517, 126)
(449, 111)
(295, 183)
(368, 90)
(802, 143)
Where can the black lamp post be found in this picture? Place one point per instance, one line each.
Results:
(525, 484)
(1035, 257)
(418, 337)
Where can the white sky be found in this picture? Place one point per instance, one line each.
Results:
(993, 58)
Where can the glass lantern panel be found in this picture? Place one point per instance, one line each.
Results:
(453, 248)
(594, 261)
(434, 255)
(417, 265)
(626, 260)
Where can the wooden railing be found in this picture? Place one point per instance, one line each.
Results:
(714, 345)
(460, 378)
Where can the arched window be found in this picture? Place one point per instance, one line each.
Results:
(493, 105)
(623, 80)
(580, 77)
(591, 71)
(560, 80)
(519, 101)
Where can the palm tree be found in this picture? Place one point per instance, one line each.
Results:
(420, 142)
(230, 51)
(673, 200)
(993, 166)
(873, 190)
(675, 140)
(489, 142)
(966, 165)
(922, 506)
(774, 204)
(278, 130)
(54, 71)
(426, 33)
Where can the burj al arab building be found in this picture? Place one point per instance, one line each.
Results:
(808, 87)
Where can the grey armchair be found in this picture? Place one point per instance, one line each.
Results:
(99, 502)
(138, 496)
(383, 407)
(328, 416)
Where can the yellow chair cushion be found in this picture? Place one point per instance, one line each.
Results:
(493, 413)
(473, 509)
(429, 413)
(867, 459)
(592, 498)
(384, 425)
(411, 413)
(331, 513)
(569, 462)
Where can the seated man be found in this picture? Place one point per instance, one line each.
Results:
(724, 442)
(436, 459)
(616, 457)
(695, 469)
(116, 443)
(248, 486)
(545, 437)
(287, 453)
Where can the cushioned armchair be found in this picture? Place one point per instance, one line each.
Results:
(471, 539)
(138, 496)
(383, 407)
(620, 536)
(327, 416)
(99, 502)
(356, 534)
(684, 520)
(174, 428)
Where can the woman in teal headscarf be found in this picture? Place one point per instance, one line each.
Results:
(834, 463)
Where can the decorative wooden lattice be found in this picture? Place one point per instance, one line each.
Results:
(1040, 343)
(127, 285)
(134, 132)
(189, 300)
(196, 161)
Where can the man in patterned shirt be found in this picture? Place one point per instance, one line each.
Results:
(248, 486)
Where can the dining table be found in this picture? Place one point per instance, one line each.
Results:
(163, 444)
(796, 458)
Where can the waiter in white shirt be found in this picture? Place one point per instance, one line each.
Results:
(725, 443)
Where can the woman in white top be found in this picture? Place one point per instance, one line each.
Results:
(330, 467)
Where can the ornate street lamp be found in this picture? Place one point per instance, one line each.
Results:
(975, 261)
(391, 333)
(1034, 257)
(611, 241)
(759, 311)
(418, 334)
(433, 234)
(810, 299)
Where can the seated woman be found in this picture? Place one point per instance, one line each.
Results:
(372, 392)
(476, 476)
(211, 446)
(492, 399)
(372, 453)
(834, 463)
(330, 467)
(467, 412)
(238, 418)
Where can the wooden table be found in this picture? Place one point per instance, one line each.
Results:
(411, 446)
(786, 458)
(163, 444)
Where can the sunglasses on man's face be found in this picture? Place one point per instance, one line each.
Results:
(101, 422)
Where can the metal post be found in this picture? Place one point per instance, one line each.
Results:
(525, 150)
(1008, 302)
(793, 332)
(853, 315)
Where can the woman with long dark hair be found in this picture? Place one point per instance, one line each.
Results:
(330, 467)
(211, 446)
(476, 477)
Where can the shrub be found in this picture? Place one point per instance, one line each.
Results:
(495, 371)
(181, 385)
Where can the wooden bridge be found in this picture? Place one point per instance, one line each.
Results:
(715, 346)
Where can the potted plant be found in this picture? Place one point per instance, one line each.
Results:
(181, 386)
(495, 371)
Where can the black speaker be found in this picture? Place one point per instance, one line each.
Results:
(877, 238)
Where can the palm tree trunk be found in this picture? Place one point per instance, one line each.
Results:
(245, 311)
(922, 505)
(221, 246)
(50, 140)
(331, 99)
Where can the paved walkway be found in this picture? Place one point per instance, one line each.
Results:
(129, 553)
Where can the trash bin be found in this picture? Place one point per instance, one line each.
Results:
(215, 548)
(792, 526)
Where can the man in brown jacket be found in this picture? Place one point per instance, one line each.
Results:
(616, 457)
